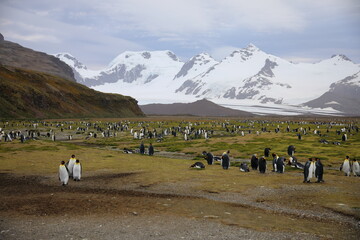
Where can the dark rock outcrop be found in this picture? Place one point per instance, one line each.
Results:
(199, 108)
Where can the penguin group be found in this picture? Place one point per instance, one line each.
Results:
(347, 167)
(313, 168)
(71, 169)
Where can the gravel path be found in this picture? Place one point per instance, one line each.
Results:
(130, 227)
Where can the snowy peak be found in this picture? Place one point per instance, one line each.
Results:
(351, 81)
(340, 57)
(252, 48)
(245, 54)
(135, 58)
(196, 65)
(70, 60)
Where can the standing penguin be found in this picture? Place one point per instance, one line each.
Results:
(63, 173)
(280, 165)
(208, 157)
(267, 152)
(319, 170)
(291, 150)
(262, 165)
(356, 168)
(306, 170)
(254, 162)
(345, 166)
(77, 170)
(225, 160)
(70, 165)
(142, 148)
(344, 137)
(151, 149)
(309, 170)
(275, 158)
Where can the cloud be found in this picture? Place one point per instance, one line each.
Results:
(49, 34)
(297, 59)
(32, 37)
(158, 17)
(105, 28)
(220, 53)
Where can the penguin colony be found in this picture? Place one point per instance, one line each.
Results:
(141, 130)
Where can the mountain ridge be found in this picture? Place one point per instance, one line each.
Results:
(13, 54)
(201, 108)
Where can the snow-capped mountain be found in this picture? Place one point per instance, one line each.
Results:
(129, 67)
(195, 66)
(80, 70)
(252, 74)
(248, 76)
(343, 96)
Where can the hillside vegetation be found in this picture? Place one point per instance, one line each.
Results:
(31, 94)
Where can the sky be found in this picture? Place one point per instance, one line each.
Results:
(95, 32)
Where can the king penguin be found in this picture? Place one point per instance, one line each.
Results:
(208, 157)
(280, 165)
(319, 171)
(309, 170)
(345, 166)
(244, 167)
(262, 165)
(254, 162)
(225, 160)
(63, 173)
(356, 168)
(77, 170)
(198, 165)
(70, 165)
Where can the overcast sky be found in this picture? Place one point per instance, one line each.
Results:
(97, 31)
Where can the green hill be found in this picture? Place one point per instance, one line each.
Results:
(31, 94)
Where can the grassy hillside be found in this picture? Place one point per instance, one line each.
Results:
(30, 94)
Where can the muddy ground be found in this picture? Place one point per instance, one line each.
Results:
(106, 205)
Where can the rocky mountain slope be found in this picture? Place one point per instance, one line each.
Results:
(13, 54)
(344, 95)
